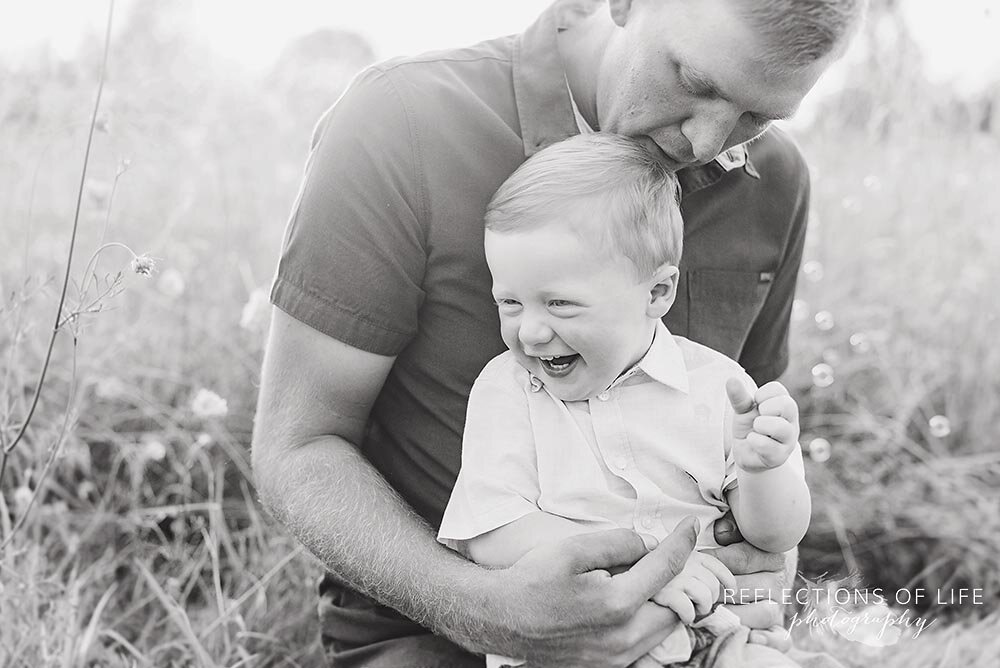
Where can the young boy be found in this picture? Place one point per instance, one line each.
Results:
(597, 417)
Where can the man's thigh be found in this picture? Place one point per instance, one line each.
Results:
(357, 632)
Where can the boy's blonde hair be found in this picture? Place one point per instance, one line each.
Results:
(602, 183)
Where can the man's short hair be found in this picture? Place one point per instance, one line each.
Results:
(800, 32)
(603, 183)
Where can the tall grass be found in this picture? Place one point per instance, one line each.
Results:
(145, 545)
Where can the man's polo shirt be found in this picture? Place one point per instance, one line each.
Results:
(652, 449)
(384, 248)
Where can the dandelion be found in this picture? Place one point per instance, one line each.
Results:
(851, 205)
(109, 388)
(123, 167)
(208, 404)
(85, 489)
(22, 498)
(800, 310)
(813, 270)
(872, 183)
(256, 312)
(143, 265)
(171, 283)
(940, 426)
(822, 375)
(824, 321)
(153, 449)
(820, 450)
(860, 343)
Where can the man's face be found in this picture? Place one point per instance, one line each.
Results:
(691, 76)
(574, 316)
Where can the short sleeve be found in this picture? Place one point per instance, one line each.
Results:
(498, 481)
(765, 352)
(353, 258)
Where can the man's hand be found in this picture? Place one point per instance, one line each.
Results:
(765, 426)
(760, 579)
(567, 609)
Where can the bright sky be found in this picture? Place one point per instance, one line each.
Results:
(960, 36)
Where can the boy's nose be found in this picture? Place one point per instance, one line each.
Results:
(534, 332)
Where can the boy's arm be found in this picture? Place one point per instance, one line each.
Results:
(771, 505)
(504, 545)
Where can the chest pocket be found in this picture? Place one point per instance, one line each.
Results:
(723, 305)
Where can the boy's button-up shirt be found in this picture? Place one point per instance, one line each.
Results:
(653, 448)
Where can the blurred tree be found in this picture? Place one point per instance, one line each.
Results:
(314, 69)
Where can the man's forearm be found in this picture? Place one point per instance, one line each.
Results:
(348, 516)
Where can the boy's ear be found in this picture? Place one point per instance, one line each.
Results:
(663, 290)
(619, 11)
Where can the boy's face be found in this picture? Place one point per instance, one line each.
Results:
(574, 315)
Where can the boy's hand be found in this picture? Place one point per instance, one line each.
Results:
(765, 427)
(694, 591)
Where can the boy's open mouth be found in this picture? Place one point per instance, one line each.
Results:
(558, 366)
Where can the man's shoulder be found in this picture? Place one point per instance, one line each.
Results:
(777, 158)
(445, 68)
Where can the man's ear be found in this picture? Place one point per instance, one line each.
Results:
(619, 11)
(662, 291)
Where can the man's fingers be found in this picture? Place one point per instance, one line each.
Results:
(760, 615)
(739, 396)
(603, 550)
(743, 558)
(776, 637)
(725, 530)
(727, 581)
(653, 571)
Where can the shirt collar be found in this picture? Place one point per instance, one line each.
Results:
(546, 110)
(664, 361)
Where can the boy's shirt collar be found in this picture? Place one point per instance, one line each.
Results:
(663, 363)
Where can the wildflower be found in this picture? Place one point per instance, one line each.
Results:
(22, 498)
(256, 312)
(872, 183)
(85, 489)
(820, 450)
(208, 404)
(123, 167)
(824, 321)
(860, 342)
(813, 270)
(800, 310)
(143, 264)
(203, 440)
(822, 375)
(153, 449)
(940, 426)
(109, 388)
(171, 283)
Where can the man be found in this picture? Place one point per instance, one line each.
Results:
(385, 317)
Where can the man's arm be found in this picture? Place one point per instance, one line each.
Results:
(557, 606)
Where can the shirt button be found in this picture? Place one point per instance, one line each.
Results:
(603, 396)
(621, 463)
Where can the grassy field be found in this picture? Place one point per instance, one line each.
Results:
(130, 528)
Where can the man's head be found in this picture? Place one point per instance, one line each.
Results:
(700, 76)
(583, 241)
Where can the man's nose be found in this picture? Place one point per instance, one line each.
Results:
(533, 330)
(709, 129)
